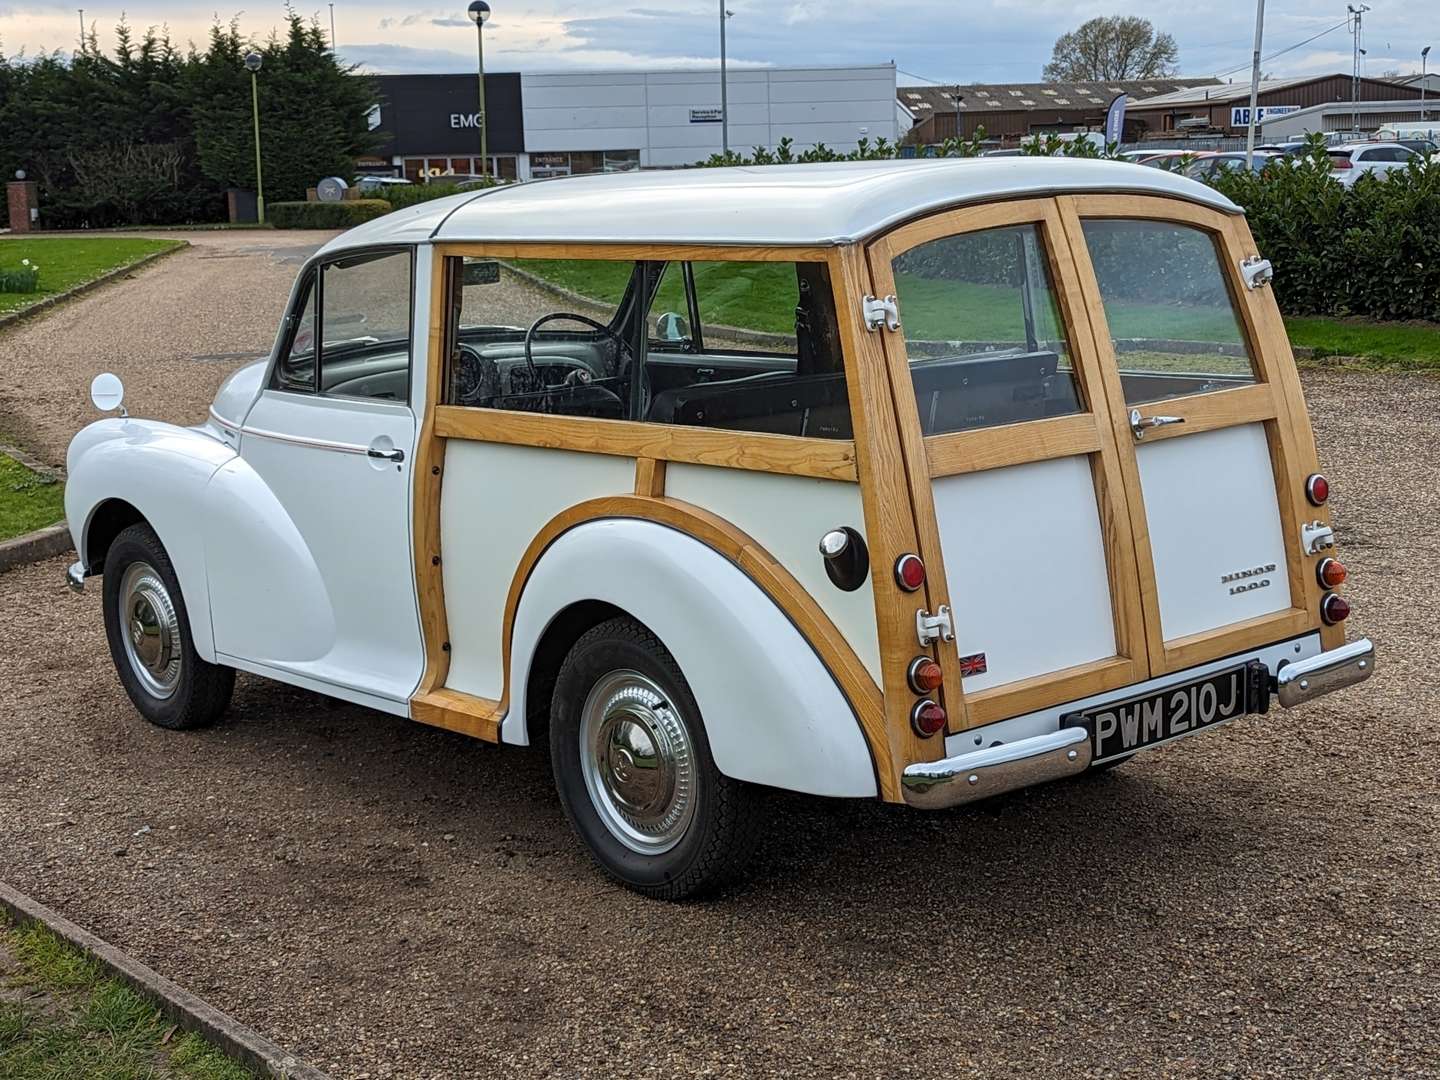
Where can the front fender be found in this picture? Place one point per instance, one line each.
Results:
(162, 471)
(773, 713)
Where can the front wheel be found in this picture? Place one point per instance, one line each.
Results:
(149, 633)
(634, 771)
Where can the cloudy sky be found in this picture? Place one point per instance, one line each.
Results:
(929, 40)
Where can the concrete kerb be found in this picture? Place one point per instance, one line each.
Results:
(183, 1008)
(42, 543)
(85, 286)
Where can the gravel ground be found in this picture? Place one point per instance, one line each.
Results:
(390, 900)
(218, 300)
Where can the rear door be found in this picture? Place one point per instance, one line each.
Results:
(1209, 421)
(1016, 476)
(1105, 443)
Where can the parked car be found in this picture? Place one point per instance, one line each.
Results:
(1208, 167)
(1172, 160)
(909, 481)
(378, 185)
(1352, 160)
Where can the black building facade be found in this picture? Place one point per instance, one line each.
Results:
(431, 125)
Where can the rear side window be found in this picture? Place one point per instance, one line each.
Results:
(1172, 319)
(738, 346)
(983, 330)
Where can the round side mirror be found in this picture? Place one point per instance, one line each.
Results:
(671, 327)
(107, 392)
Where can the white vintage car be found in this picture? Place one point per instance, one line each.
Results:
(918, 481)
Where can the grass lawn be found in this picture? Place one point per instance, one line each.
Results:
(28, 501)
(761, 296)
(60, 1016)
(67, 261)
(1408, 345)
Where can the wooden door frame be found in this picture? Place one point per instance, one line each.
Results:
(871, 459)
(1275, 400)
(1089, 433)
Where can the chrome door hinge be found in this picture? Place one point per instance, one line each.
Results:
(879, 313)
(1316, 536)
(1256, 271)
(929, 627)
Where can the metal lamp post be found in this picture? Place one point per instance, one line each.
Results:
(1424, 55)
(253, 60)
(479, 11)
(1254, 87)
(724, 102)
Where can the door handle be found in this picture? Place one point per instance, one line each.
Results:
(1141, 424)
(396, 456)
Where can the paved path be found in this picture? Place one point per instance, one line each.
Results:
(172, 333)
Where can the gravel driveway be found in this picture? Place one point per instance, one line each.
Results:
(390, 900)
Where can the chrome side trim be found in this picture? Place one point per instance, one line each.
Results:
(933, 785)
(223, 422)
(301, 440)
(1305, 680)
(75, 576)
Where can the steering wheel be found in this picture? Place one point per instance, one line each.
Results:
(530, 336)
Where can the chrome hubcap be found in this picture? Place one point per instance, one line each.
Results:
(150, 630)
(638, 761)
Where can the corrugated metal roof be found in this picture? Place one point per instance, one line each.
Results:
(923, 101)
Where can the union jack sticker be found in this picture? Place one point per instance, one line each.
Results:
(974, 664)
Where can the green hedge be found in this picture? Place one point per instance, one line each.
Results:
(322, 215)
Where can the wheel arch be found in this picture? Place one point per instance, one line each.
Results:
(776, 713)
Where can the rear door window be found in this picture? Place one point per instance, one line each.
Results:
(983, 331)
(1172, 319)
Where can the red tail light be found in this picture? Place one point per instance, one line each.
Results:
(924, 675)
(1339, 163)
(1317, 489)
(927, 718)
(1334, 609)
(909, 572)
(1331, 573)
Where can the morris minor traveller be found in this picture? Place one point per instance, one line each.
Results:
(916, 481)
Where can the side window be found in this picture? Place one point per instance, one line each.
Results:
(1172, 319)
(296, 369)
(983, 331)
(746, 346)
(365, 312)
(543, 335)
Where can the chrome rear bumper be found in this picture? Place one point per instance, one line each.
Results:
(933, 785)
(1305, 680)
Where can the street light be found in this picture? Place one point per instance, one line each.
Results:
(724, 103)
(1424, 53)
(253, 60)
(479, 11)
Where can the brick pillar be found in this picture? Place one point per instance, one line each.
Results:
(23, 199)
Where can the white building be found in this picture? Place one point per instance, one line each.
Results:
(664, 119)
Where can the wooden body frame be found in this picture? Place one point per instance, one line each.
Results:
(894, 465)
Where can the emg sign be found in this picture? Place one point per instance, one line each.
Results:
(1240, 114)
(464, 120)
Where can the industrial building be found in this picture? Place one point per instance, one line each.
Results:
(1224, 110)
(575, 122)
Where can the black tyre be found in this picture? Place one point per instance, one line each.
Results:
(150, 642)
(634, 771)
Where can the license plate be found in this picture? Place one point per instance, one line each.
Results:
(1122, 727)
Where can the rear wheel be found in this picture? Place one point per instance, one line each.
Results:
(149, 634)
(634, 771)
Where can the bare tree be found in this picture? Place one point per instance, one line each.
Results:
(1117, 47)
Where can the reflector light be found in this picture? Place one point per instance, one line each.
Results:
(924, 675)
(1334, 609)
(909, 572)
(1317, 489)
(1331, 573)
(927, 718)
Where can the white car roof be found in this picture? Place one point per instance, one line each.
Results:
(784, 205)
